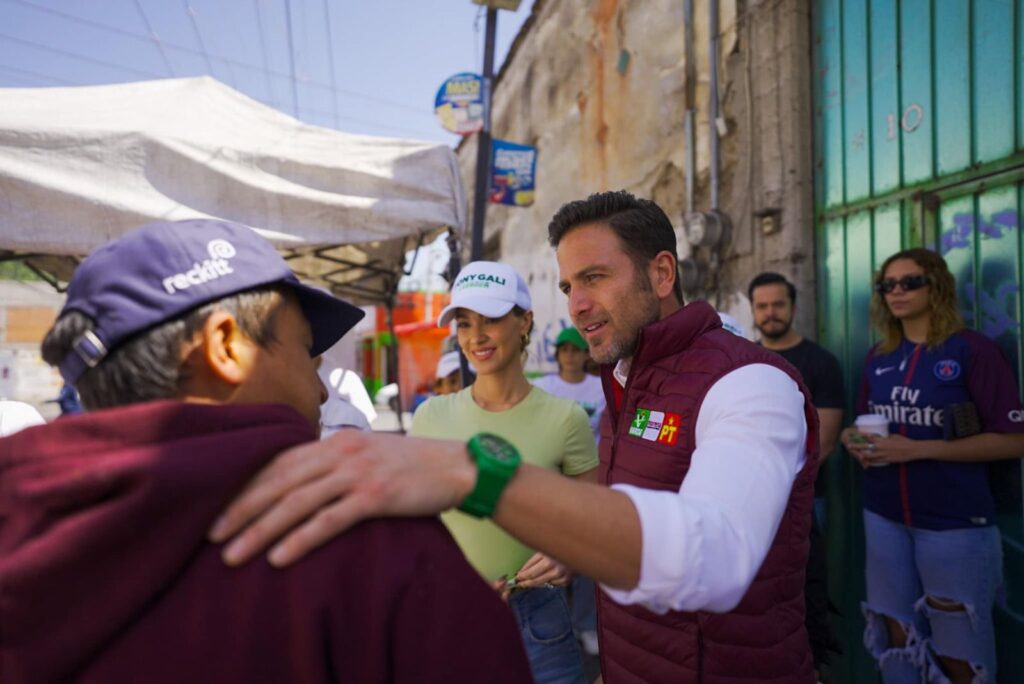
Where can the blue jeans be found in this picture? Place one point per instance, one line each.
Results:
(584, 610)
(544, 622)
(906, 566)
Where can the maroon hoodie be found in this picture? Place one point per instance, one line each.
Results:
(106, 576)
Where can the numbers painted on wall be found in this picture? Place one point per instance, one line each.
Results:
(909, 121)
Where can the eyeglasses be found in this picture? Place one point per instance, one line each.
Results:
(907, 283)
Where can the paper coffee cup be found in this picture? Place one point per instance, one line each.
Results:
(873, 424)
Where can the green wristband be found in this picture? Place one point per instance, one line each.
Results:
(496, 462)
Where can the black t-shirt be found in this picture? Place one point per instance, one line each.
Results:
(824, 379)
(820, 371)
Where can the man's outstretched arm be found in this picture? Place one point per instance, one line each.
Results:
(698, 548)
(315, 491)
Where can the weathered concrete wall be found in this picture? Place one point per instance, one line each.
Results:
(769, 154)
(599, 87)
(27, 310)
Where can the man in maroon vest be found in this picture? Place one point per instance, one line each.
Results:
(708, 453)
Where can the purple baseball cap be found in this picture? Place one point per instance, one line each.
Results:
(162, 270)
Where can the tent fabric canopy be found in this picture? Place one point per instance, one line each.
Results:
(80, 166)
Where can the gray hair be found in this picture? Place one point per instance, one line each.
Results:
(148, 366)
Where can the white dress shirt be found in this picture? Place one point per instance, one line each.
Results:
(703, 546)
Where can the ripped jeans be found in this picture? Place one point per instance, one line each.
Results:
(907, 566)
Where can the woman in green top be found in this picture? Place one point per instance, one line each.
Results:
(492, 309)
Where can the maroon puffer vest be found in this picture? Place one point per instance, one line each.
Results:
(762, 640)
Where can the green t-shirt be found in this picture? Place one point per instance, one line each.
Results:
(549, 432)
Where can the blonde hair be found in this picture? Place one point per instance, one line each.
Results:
(944, 317)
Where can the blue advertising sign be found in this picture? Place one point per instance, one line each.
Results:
(514, 168)
(459, 104)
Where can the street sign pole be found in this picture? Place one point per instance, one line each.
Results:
(483, 150)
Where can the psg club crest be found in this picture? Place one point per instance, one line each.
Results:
(947, 369)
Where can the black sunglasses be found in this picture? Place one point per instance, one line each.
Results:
(908, 283)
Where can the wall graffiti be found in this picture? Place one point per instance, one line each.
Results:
(992, 309)
(959, 235)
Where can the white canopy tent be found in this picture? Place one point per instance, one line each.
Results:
(80, 166)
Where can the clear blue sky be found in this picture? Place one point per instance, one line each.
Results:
(389, 56)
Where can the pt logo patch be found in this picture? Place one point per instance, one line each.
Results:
(656, 426)
(947, 369)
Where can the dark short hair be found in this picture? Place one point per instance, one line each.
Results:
(148, 366)
(641, 226)
(771, 278)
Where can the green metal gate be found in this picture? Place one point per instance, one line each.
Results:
(919, 141)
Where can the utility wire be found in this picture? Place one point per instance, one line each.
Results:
(156, 38)
(25, 73)
(226, 60)
(291, 55)
(84, 58)
(263, 48)
(192, 14)
(330, 58)
(199, 36)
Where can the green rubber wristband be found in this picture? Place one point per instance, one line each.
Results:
(496, 462)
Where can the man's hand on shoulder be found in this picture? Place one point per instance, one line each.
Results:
(315, 491)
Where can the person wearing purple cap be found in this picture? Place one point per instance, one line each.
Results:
(195, 348)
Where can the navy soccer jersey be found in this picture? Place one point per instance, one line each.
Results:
(912, 386)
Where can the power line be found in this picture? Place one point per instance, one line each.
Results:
(199, 36)
(154, 36)
(227, 60)
(193, 15)
(291, 54)
(25, 73)
(330, 57)
(84, 58)
(28, 74)
(150, 75)
(263, 48)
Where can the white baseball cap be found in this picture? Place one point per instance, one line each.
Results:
(447, 364)
(488, 288)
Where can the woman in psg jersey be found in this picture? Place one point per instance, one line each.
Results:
(933, 552)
